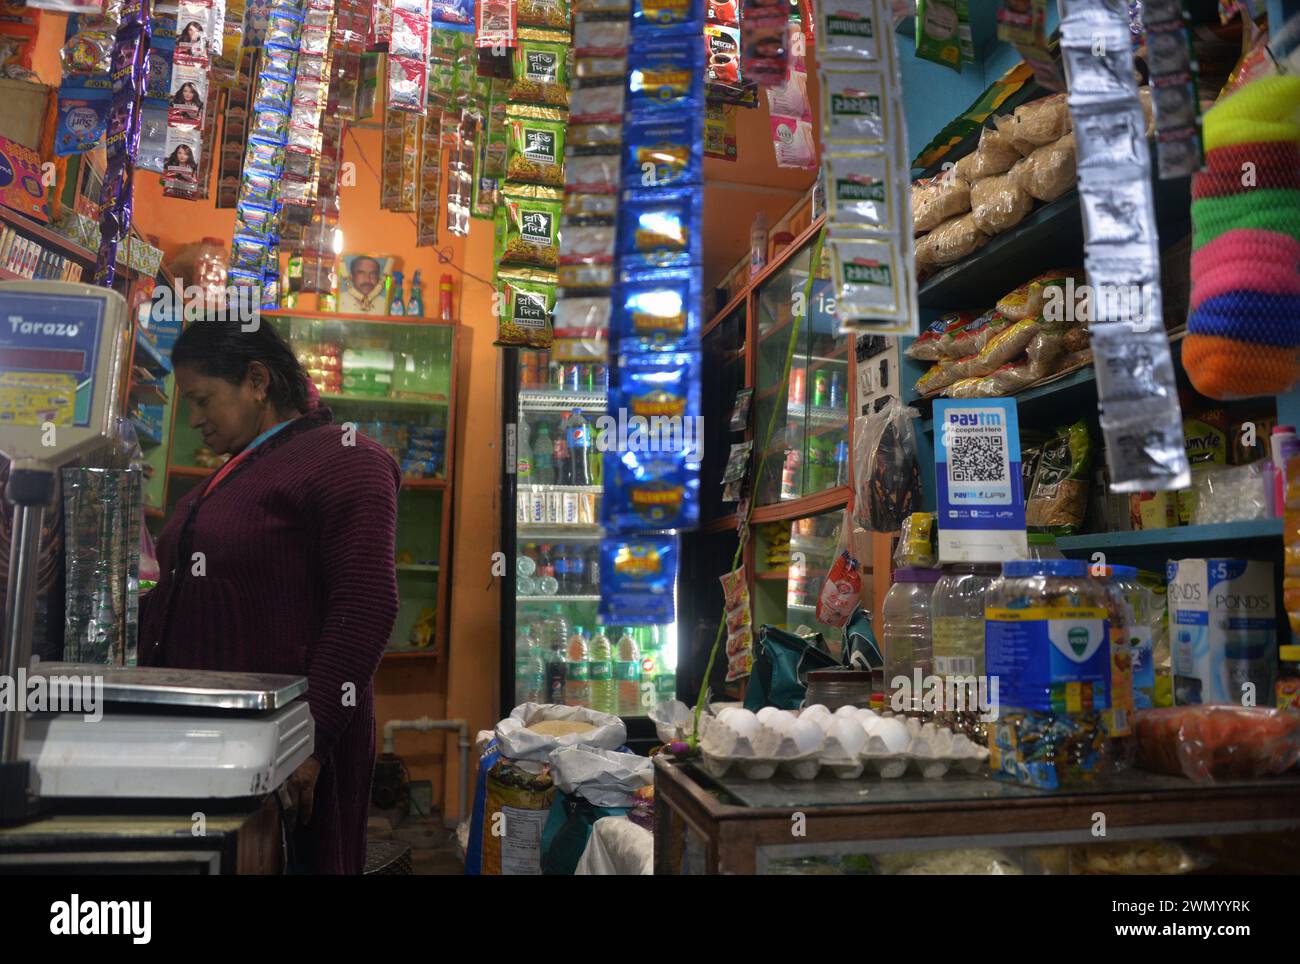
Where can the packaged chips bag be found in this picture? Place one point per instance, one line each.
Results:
(523, 304)
(637, 578)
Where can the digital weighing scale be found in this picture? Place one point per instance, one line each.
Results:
(158, 734)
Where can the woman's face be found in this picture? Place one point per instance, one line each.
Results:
(228, 416)
(183, 155)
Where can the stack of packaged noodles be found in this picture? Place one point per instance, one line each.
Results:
(651, 476)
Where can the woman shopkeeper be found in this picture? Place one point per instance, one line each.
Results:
(296, 571)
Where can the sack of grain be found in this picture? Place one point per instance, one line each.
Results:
(534, 731)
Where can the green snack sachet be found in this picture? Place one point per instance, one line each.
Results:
(525, 303)
(1058, 500)
(532, 236)
(534, 149)
(540, 73)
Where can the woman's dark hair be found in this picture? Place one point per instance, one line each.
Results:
(222, 349)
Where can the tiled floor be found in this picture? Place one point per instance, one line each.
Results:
(433, 846)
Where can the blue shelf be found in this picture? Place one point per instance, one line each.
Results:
(1258, 530)
(154, 359)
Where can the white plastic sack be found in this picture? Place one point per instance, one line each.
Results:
(604, 778)
(519, 743)
(668, 715)
(617, 846)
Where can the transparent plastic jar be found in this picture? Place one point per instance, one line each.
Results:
(905, 616)
(1050, 732)
(957, 619)
(1117, 582)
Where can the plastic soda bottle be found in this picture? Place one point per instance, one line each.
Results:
(577, 683)
(604, 695)
(627, 671)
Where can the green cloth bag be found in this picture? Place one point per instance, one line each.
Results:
(780, 674)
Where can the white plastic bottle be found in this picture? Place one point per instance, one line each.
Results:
(906, 636)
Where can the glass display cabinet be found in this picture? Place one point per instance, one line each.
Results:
(394, 379)
(725, 359)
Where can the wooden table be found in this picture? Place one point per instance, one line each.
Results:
(242, 840)
(729, 825)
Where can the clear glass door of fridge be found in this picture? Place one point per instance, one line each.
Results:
(564, 652)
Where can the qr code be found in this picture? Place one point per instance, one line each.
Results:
(977, 458)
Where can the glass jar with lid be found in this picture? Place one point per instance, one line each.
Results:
(833, 688)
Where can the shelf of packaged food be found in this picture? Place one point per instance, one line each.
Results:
(384, 401)
(146, 437)
(435, 485)
(1254, 530)
(369, 319)
(417, 567)
(152, 357)
(1069, 391)
(555, 400)
(557, 599)
(7, 275)
(1049, 237)
(41, 232)
(553, 533)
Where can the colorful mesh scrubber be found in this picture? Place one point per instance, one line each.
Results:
(1243, 335)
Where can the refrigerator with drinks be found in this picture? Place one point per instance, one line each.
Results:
(555, 649)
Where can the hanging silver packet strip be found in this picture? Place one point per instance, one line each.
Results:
(866, 170)
(1137, 396)
(1175, 98)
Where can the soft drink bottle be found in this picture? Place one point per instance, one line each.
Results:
(593, 570)
(604, 694)
(557, 636)
(577, 683)
(545, 562)
(579, 436)
(530, 678)
(560, 554)
(543, 470)
(627, 672)
(524, 457)
(560, 456)
(577, 571)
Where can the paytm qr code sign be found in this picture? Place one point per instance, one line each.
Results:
(979, 465)
(981, 507)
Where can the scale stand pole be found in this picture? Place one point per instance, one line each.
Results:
(31, 486)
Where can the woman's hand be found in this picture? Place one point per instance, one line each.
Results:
(301, 790)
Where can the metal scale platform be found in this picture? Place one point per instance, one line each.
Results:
(154, 734)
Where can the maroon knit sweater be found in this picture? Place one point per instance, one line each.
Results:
(298, 543)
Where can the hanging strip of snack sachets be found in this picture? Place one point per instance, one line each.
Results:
(1175, 96)
(651, 483)
(1137, 395)
(234, 131)
(254, 251)
(789, 112)
(865, 169)
(128, 63)
(533, 142)
(408, 56)
(310, 95)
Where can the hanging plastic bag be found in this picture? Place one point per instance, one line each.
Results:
(842, 587)
(888, 472)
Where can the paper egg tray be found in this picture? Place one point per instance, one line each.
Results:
(889, 766)
(803, 767)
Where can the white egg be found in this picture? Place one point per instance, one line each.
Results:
(783, 721)
(742, 721)
(894, 733)
(824, 722)
(726, 711)
(807, 735)
(767, 714)
(815, 710)
(863, 715)
(869, 723)
(850, 735)
(846, 712)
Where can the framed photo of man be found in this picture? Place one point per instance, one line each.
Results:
(363, 288)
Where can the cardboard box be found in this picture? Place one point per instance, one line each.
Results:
(1223, 629)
